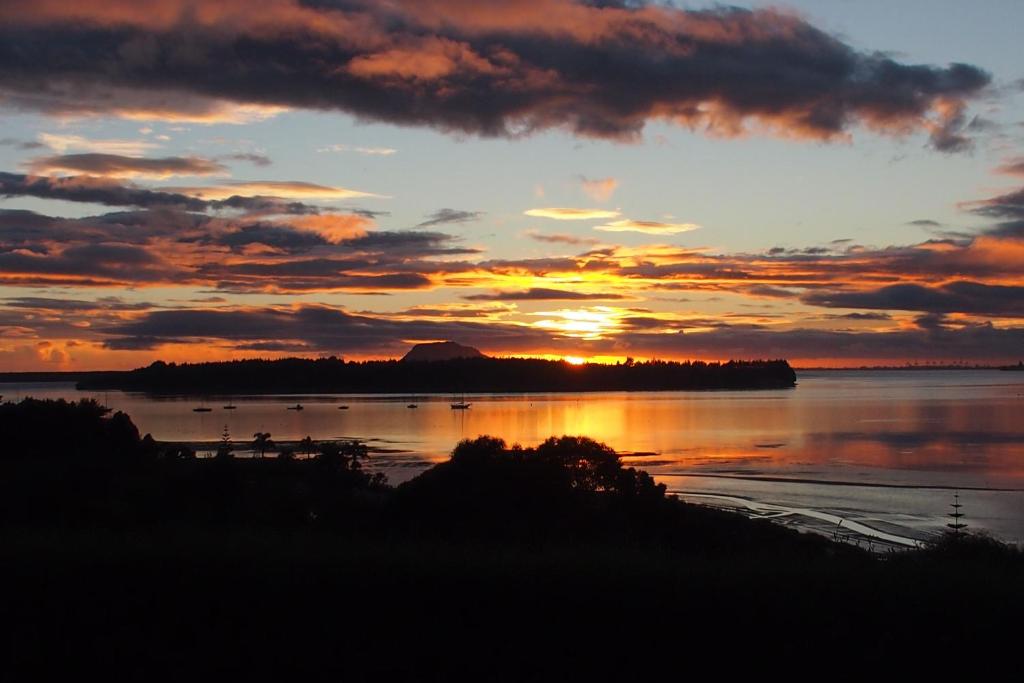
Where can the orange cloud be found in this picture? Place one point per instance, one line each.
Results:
(335, 227)
(270, 188)
(600, 189)
(118, 166)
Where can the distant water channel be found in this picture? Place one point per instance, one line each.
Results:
(842, 452)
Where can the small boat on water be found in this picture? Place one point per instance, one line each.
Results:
(297, 406)
(230, 406)
(342, 407)
(202, 409)
(460, 405)
(412, 405)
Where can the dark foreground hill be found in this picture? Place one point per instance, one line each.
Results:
(139, 561)
(459, 375)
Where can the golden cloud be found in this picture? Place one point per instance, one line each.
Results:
(648, 227)
(567, 214)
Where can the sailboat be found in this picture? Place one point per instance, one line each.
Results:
(297, 406)
(230, 406)
(460, 404)
(202, 409)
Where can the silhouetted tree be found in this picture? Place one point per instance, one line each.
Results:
(354, 451)
(35, 428)
(261, 443)
(226, 449)
(329, 455)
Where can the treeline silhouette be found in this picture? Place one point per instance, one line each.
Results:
(334, 375)
(555, 562)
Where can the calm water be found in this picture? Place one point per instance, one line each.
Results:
(880, 449)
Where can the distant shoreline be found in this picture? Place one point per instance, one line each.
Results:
(87, 375)
(452, 376)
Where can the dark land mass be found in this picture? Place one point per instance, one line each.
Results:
(922, 368)
(459, 375)
(548, 563)
(446, 350)
(33, 377)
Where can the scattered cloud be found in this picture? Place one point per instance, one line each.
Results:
(21, 144)
(648, 227)
(365, 151)
(261, 160)
(117, 166)
(63, 144)
(450, 216)
(1012, 167)
(568, 214)
(559, 238)
(599, 189)
(960, 296)
(285, 189)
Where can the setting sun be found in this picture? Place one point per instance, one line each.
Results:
(574, 360)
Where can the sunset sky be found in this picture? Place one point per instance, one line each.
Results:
(828, 181)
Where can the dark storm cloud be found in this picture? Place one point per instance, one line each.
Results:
(74, 305)
(109, 192)
(86, 265)
(1009, 205)
(282, 237)
(27, 230)
(1007, 230)
(317, 328)
(544, 294)
(265, 255)
(956, 297)
(118, 166)
(94, 191)
(492, 69)
(450, 216)
(309, 275)
(407, 243)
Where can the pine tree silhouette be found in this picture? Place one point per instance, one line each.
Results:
(956, 525)
(225, 449)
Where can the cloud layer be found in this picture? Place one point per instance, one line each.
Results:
(492, 69)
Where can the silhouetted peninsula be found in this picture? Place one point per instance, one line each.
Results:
(457, 375)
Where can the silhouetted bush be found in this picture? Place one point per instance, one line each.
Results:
(35, 428)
